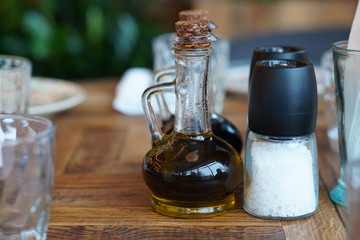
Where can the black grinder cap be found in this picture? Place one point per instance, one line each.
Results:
(268, 52)
(283, 98)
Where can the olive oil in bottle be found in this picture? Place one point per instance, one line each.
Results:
(192, 173)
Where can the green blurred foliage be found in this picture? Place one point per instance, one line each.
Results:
(76, 39)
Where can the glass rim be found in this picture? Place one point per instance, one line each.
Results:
(279, 49)
(50, 128)
(341, 46)
(24, 62)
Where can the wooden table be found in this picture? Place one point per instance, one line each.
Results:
(100, 194)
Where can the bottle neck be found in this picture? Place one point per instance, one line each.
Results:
(192, 116)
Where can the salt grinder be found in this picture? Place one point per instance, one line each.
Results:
(280, 170)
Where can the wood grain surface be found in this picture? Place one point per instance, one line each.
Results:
(99, 192)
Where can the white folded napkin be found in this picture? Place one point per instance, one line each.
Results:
(354, 37)
(352, 93)
(129, 90)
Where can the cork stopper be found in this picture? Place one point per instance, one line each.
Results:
(193, 15)
(192, 34)
(192, 28)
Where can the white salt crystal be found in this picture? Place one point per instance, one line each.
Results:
(281, 180)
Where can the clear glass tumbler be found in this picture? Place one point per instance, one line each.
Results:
(15, 74)
(352, 176)
(347, 89)
(26, 176)
(328, 98)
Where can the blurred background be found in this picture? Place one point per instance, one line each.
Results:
(82, 39)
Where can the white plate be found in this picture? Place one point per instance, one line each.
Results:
(49, 95)
(238, 75)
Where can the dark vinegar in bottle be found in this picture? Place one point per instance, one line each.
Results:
(221, 128)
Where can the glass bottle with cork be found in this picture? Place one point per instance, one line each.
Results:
(190, 172)
(221, 126)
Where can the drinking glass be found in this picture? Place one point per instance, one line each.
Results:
(26, 176)
(15, 73)
(347, 88)
(353, 199)
(328, 98)
(162, 51)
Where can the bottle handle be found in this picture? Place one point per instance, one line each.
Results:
(158, 75)
(150, 115)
